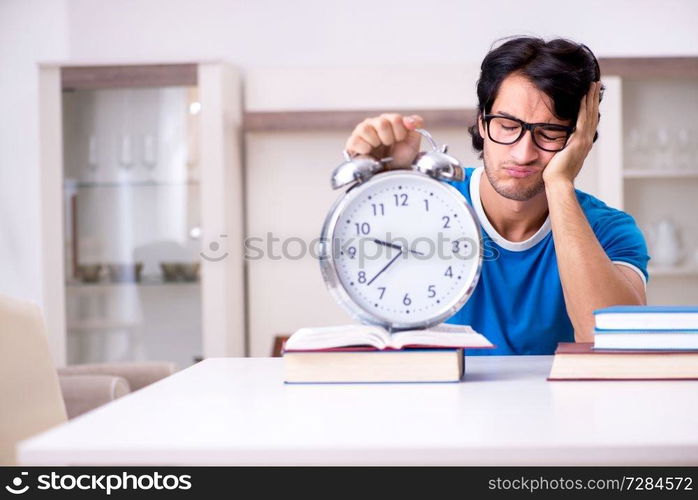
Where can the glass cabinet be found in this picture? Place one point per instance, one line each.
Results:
(150, 170)
(132, 224)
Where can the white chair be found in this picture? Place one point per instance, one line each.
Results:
(34, 396)
(29, 388)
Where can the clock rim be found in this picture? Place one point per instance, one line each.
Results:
(339, 292)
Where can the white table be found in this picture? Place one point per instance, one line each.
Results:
(238, 411)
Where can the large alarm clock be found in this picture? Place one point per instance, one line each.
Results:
(401, 248)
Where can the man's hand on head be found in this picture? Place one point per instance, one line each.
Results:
(566, 164)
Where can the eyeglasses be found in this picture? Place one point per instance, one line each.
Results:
(508, 130)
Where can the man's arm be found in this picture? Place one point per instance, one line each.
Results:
(589, 279)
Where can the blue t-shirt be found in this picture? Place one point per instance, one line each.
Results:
(518, 302)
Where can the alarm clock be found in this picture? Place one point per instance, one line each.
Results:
(401, 248)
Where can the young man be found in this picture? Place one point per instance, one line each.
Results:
(555, 253)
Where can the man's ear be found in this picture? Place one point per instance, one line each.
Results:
(481, 125)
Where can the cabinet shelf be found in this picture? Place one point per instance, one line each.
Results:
(121, 184)
(145, 282)
(638, 173)
(673, 271)
(345, 120)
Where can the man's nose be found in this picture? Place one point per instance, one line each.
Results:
(525, 150)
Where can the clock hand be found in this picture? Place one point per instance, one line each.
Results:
(385, 267)
(386, 244)
(396, 247)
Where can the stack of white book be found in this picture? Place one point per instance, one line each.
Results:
(646, 327)
(634, 343)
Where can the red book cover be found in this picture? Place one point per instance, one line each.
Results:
(588, 348)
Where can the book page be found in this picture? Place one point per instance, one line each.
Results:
(442, 335)
(326, 337)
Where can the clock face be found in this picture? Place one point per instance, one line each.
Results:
(405, 250)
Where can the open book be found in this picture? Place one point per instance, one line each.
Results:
(331, 337)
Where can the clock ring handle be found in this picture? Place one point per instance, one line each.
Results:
(356, 169)
(437, 163)
(431, 140)
(349, 157)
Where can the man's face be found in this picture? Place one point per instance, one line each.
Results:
(516, 170)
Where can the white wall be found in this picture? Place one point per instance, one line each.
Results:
(351, 32)
(30, 31)
(266, 33)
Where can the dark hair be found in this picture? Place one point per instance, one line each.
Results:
(560, 68)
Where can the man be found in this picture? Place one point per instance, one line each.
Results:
(555, 253)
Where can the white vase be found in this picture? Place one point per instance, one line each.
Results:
(665, 245)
